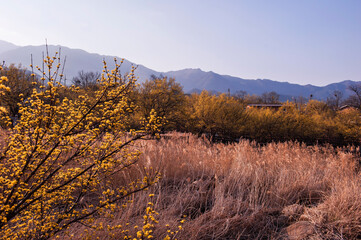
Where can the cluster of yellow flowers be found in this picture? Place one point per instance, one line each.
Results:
(147, 230)
(3, 88)
(61, 150)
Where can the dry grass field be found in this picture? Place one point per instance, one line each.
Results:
(244, 191)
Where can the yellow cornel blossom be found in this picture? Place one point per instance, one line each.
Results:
(2, 86)
(61, 151)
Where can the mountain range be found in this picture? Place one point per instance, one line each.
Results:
(192, 80)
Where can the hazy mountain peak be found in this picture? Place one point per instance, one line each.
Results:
(76, 60)
(6, 46)
(191, 78)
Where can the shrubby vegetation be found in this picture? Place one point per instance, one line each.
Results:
(20, 84)
(66, 160)
(166, 98)
(228, 118)
(221, 117)
(216, 115)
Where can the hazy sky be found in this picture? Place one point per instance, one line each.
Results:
(300, 41)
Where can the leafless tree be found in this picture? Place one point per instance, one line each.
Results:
(335, 99)
(355, 99)
(86, 80)
(270, 97)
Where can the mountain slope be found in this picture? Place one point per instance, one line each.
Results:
(190, 79)
(6, 46)
(196, 79)
(76, 60)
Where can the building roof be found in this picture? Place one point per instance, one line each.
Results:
(271, 105)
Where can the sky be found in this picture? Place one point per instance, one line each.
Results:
(306, 42)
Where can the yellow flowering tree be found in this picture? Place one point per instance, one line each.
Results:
(218, 115)
(58, 161)
(15, 81)
(166, 97)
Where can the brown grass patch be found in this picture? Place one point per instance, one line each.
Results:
(245, 191)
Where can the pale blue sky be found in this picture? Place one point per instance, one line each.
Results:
(300, 41)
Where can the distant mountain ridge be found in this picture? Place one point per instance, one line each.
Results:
(76, 60)
(6, 46)
(222, 83)
(190, 79)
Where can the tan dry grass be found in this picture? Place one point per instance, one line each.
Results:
(243, 191)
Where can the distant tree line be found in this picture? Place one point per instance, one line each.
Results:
(223, 116)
